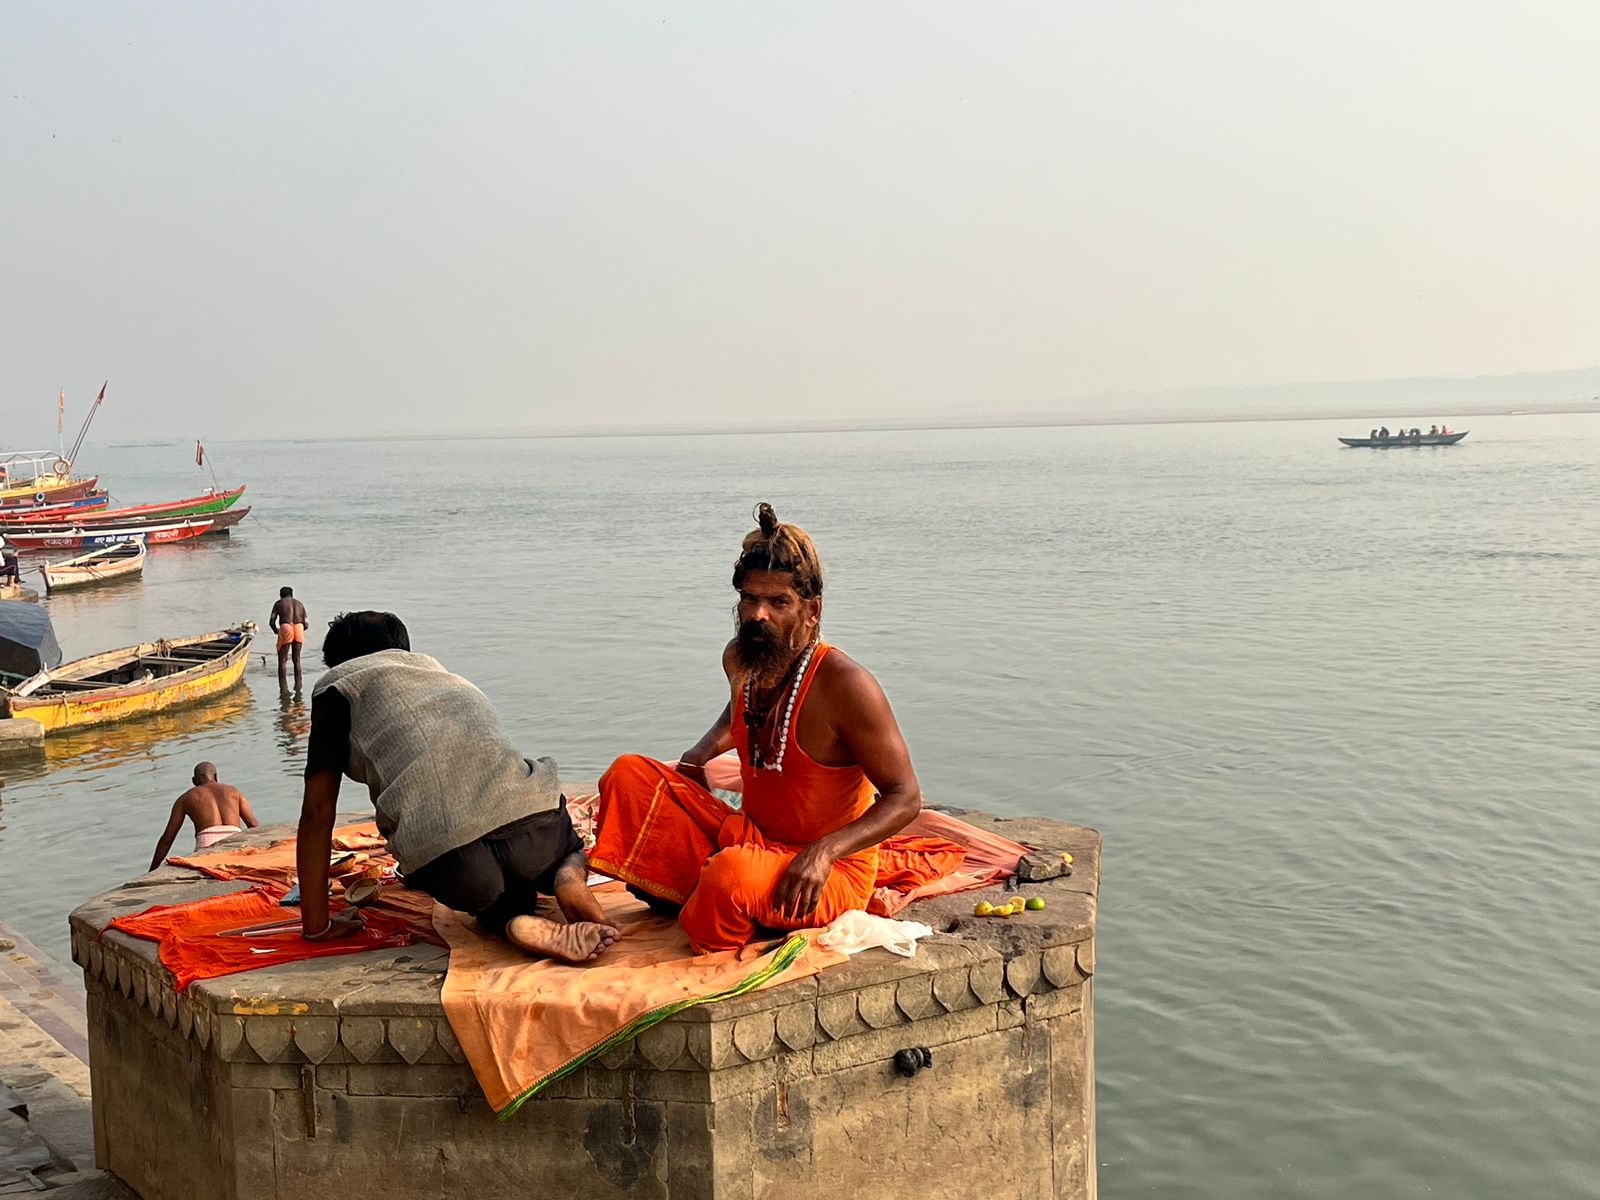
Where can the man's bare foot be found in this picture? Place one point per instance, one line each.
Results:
(575, 942)
(576, 901)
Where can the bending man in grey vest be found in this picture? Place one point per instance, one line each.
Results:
(471, 822)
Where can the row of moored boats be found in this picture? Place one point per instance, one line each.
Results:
(44, 507)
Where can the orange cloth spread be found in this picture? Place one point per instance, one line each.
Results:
(194, 945)
(672, 837)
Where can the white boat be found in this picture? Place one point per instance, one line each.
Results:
(119, 561)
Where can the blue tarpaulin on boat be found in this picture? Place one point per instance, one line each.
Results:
(27, 641)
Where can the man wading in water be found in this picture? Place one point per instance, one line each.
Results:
(471, 821)
(288, 621)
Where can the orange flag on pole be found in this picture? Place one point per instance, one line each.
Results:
(61, 409)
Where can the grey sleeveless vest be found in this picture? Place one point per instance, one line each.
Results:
(430, 748)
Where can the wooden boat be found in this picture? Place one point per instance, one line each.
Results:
(84, 505)
(76, 538)
(50, 489)
(208, 502)
(1422, 439)
(155, 531)
(133, 681)
(119, 561)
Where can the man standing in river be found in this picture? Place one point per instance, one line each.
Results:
(288, 621)
(217, 809)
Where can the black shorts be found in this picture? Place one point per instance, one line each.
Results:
(503, 873)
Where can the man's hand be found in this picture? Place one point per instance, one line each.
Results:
(800, 890)
(339, 925)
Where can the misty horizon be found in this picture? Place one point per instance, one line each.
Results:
(389, 219)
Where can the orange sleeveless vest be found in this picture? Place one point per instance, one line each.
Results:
(805, 800)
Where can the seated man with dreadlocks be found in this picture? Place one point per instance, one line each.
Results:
(471, 821)
(827, 776)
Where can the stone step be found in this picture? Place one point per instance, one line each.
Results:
(44, 1065)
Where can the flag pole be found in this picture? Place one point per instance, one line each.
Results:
(200, 459)
(93, 408)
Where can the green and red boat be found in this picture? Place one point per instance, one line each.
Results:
(206, 502)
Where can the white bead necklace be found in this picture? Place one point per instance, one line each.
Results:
(788, 711)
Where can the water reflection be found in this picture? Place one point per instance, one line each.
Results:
(292, 726)
(105, 747)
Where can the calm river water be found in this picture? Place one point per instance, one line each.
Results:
(1336, 712)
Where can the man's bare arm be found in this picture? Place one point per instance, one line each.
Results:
(246, 813)
(314, 843)
(170, 833)
(866, 725)
(716, 740)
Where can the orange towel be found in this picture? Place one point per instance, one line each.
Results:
(191, 945)
(525, 1022)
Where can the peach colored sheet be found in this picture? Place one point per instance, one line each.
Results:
(524, 1022)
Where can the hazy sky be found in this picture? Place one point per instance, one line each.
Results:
(322, 218)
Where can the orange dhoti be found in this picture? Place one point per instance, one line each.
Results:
(668, 835)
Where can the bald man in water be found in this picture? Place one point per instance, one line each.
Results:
(217, 809)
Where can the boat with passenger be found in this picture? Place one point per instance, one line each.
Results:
(1410, 438)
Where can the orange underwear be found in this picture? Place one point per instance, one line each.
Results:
(288, 633)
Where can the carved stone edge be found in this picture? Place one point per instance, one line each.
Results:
(330, 1038)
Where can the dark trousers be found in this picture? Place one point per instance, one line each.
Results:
(503, 873)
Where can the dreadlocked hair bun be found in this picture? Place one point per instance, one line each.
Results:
(775, 546)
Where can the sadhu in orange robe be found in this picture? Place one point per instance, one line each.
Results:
(668, 835)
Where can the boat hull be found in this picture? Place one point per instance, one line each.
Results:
(75, 539)
(124, 702)
(1394, 443)
(154, 532)
(64, 509)
(96, 567)
(53, 489)
(193, 506)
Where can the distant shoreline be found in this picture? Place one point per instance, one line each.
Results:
(939, 424)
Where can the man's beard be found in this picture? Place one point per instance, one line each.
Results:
(765, 653)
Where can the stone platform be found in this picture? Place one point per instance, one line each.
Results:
(341, 1077)
(20, 734)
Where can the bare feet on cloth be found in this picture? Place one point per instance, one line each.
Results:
(573, 942)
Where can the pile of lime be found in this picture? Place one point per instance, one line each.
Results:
(1009, 908)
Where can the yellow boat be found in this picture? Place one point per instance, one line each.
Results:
(133, 681)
